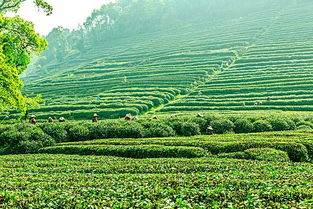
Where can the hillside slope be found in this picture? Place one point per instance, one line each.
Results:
(225, 62)
(274, 72)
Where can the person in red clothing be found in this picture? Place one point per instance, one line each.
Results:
(128, 117)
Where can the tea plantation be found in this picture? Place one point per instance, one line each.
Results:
(246, 66)
(274, 72)
(252, 60)
(127, 166)
(72, 181)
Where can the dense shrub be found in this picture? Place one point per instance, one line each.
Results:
(236, 155)
(305, 123)
(4, 128)
(262, 126)
(139, 151)
(56, 131)
(116, 129)
(211, 117)
(297, 152)
(129, 130)
(265, 154)
(304, 127)
(243, 126)
(156, 128)
(185, 128)
(190, 129)
(104, 129)
(222, 126)
(28, 140)
(291, 123)
(174, 123)
(281, 124)
(203, 123)
(78, 132)
(234, 118)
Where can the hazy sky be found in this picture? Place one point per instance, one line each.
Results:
(67, 13)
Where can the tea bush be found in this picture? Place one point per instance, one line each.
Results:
(222, 126)
(67, 181)
(297, 152)
(203, 123)
(190, 129)
(28, 140)
(262, 126)
(129, 130)
(267, 154)
(141, 151)
(185, 128)
(243, 126)
(305, 123)
(280, 124)
(56, 131)
(78, 132)
(157, 128)
(304, 127)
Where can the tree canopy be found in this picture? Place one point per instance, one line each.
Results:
(14, 5)
(18, 42)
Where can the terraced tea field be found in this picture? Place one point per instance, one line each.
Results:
(142, 73)
(298, 146)
(64, 180)
(274, 72)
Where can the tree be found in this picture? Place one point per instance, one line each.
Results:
(14, 5)
(18, 42)
(59, 46)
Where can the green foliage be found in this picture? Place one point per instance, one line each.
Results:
(262, 126)
(159, 131)
(296, 144)
(18, 42)
(83, 181)
(222, 126)
(186, 127)
(267, 154)
(129, 130)
(280, 124)
(56, 131)
(78, 132)
(23, 139)
(157, 128)
(243, 126)
(203, 123)
(235, 155)
(190, 129)
(304, 127)
(143, 151)
(296, 152)
(305, 123)
(14, 5)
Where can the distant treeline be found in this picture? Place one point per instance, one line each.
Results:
(126, 18)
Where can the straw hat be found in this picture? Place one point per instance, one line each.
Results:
(95, 115)
(33, 116)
